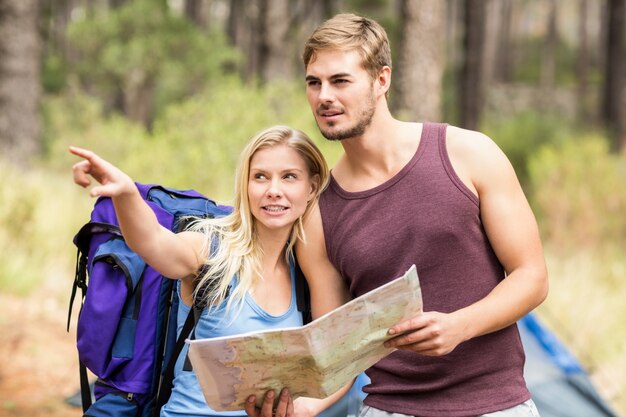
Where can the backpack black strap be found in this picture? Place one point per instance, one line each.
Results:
(197, 311)
(80, 281)
(85, 389)
(303, 295)
(165, 388)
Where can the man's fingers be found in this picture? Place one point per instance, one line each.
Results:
(407, 339)
(414, 323)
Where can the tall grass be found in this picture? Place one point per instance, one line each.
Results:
(586, 309)
(579, 196)
(38, 215)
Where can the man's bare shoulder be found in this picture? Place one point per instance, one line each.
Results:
(468, 140)
(476, 158)
(472, 148)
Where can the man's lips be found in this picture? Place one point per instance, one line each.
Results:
(329, 112)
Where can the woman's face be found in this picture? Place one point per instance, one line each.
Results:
(279, 187)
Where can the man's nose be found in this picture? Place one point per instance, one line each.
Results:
(326, 93)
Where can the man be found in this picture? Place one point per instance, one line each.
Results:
(440, 197)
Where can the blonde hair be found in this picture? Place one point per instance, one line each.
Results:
(349, 32)
(231, 241)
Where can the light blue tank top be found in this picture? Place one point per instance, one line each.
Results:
(187, 398)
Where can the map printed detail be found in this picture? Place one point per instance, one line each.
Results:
(312, 361)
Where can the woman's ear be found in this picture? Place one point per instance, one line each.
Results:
(315, 185)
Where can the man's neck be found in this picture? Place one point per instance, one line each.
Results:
(376, 156)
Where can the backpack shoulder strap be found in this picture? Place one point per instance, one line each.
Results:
(303, 294)
(165, 388)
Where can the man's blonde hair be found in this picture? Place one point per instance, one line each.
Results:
(349, 32)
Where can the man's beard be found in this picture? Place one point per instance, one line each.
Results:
(365, 119)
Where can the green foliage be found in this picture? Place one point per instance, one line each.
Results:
(77, 119)
(35, 232)
(528, 69)
(580, 194)
(519, 136)
(194, 144)
(53, 75)
(140, 46)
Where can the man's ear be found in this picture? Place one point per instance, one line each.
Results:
(383, 81)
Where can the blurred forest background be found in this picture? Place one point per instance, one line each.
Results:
(171, 90)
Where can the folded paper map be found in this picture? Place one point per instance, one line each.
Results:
(312, 361)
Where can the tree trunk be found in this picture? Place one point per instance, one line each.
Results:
(492, 29)
(195, 10)
(612, 106)
(243, 29)
(470, 84)
(583, 62)
(234, 28)
(20, 91)
(113, 4)
(548, 61)
(503, 63)
(274, 53)
(418, 86)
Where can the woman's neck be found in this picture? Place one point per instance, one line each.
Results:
(273, 244)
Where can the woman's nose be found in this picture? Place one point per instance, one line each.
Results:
(274, 189)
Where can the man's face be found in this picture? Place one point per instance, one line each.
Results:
(340, 93)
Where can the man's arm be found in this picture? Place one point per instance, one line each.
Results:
(513, 233)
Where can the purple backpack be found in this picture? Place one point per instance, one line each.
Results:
(126, 332)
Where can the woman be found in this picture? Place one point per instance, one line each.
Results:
(240, 266)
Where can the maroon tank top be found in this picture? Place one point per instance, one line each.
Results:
(426, 216)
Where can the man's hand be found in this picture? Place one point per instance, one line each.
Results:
(431, 334)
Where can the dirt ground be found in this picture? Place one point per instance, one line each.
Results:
(38, 360)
